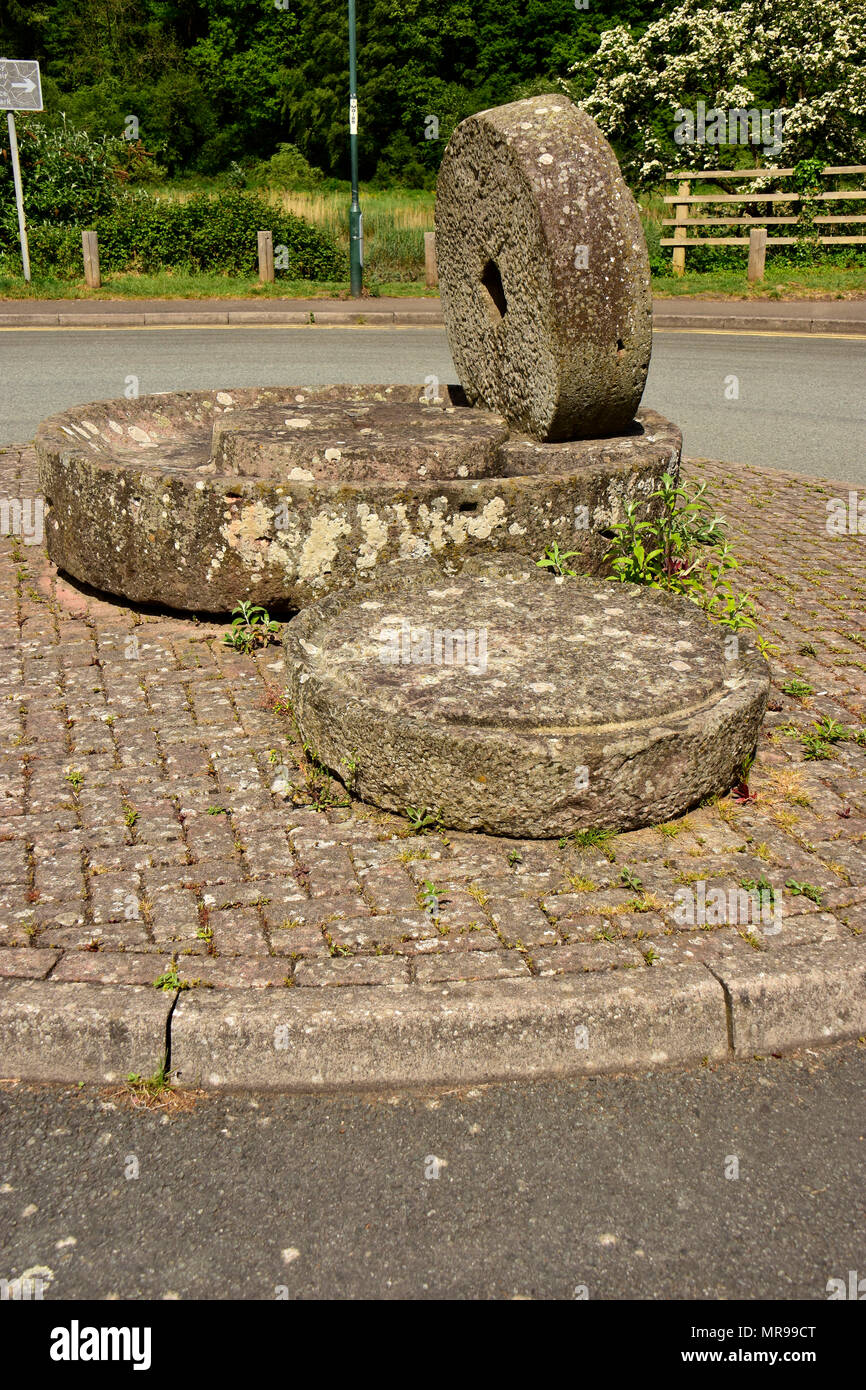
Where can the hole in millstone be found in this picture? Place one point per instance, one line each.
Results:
(491, 281)
(468, 507)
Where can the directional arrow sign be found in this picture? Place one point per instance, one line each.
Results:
(20, 87)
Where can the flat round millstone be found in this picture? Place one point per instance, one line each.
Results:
(187, 499)
(543, 270)
(355, 442)
(510, 702)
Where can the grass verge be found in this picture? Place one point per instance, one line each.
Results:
(173, 284)
(818, 282)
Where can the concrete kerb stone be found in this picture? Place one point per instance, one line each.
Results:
(462, 1033)
(371, 317)
(780, 1002)
(114, 321)
(735, 323)
(204, 318)
(258, 316)
(357, 1038)
(845, 326)
(187, 317)
(50, 1031)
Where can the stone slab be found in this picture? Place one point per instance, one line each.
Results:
(137, 505)
(329, 441)
(508, 701)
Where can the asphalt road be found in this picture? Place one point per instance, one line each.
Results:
(613, 1185)
(800, 404)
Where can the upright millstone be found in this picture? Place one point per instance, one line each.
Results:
(543, 271)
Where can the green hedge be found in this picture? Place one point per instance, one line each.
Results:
(205, 233)
(68, 176)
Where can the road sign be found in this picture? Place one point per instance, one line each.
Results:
(20, 85)
(20, 90)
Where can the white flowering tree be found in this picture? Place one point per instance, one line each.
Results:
(806, 58)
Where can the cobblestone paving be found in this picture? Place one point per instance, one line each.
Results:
(158, 820)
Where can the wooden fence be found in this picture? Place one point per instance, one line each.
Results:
(93, 278)
(757, 239)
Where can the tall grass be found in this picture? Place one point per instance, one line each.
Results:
(394, 223)
(394, 227)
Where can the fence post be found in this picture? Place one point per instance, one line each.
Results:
(431, 273)
(266, 257)
(90, 248)
(757, 253)
(681, 212)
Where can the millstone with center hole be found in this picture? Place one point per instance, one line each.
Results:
(506, 701)
(543, 271)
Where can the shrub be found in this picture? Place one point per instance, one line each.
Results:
(53, 249)
(287, 169)
(220, 149)
(399, 166)
(69, 177)
(659, 256)
(136, 165)
(212, 233)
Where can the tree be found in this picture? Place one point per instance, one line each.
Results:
(807, 60)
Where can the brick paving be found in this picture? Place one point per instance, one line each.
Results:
(160, 822)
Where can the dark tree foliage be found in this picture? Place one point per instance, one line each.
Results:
(212, 81)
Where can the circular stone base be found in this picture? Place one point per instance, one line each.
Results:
(197, 500)
(506, 701)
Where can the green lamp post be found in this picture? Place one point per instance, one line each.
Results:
(356, 222)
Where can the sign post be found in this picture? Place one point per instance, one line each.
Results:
(356, 223)
(20, 90)
(19, 197)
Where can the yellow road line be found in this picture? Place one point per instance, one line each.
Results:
(384, 327)
(173, 327)
(764, 333)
